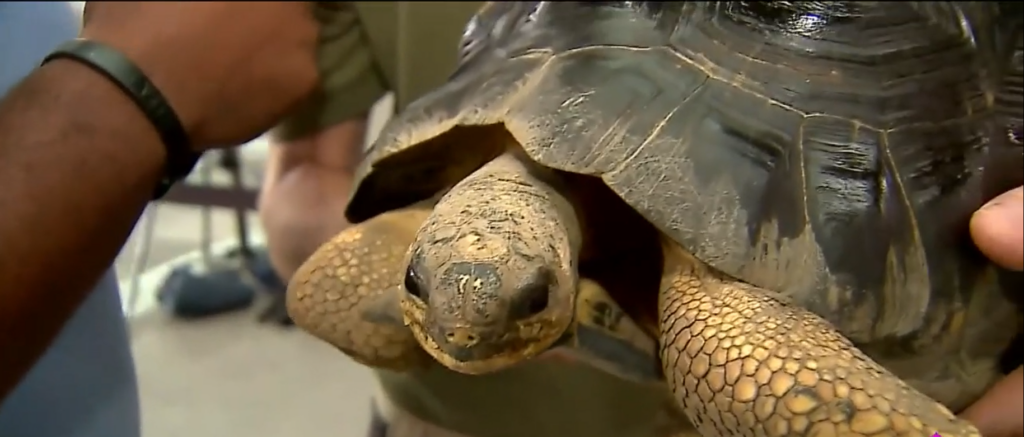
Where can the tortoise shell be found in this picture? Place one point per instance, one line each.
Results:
(832, 151)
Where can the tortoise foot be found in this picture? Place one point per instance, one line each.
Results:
(347, 293)
(741, 362)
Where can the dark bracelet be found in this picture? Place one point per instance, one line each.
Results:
(119, 69)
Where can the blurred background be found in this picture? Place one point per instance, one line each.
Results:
(231, 374)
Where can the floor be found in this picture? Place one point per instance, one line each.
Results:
(230, 376)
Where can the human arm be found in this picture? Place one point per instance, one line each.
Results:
(998, 230)
(314, 152)
(75, 179)
(366, 50)
(78, 160)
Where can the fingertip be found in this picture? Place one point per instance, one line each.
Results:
(998, 229)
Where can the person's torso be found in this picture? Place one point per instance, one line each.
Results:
(542, 398)
(84, 385)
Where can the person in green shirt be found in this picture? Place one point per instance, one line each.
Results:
(409, 48)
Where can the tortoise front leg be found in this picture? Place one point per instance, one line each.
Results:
(743, 363)
(348, 292)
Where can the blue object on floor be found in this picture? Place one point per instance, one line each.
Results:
(190, 294)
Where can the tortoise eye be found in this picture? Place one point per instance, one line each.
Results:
(413, 285)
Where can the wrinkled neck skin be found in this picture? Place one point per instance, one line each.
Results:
(492, 274)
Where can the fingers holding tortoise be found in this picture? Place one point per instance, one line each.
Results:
(998, 231)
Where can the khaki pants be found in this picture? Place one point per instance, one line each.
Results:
(404, 424)
(401, 423)
(407, 425)
(397, 422)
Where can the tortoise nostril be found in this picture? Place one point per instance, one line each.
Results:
(538, 302)
(534, 296)
(413, 284)
(462, 338)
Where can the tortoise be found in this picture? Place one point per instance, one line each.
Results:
(777, 192)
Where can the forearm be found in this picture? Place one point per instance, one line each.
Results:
(78, 163)
(305, 189)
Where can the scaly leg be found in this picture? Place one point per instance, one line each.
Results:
(743, 363)
(347, 293)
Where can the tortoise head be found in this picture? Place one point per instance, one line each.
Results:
(490, 278)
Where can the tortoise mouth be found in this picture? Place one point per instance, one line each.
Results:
(476, 350)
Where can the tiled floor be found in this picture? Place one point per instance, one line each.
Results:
(230, 376)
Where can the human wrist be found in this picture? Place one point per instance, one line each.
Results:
(230, 71)
(180, 90)
(92, 100)
(124, 74)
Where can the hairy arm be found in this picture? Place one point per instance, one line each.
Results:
(305, 188)
(78, 163)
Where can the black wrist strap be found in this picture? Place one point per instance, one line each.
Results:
(119, 69)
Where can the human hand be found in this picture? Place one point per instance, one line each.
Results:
(998, 230)
(230, 70)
